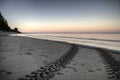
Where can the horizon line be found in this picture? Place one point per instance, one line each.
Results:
(76, 32)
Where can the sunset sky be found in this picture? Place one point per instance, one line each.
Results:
(62, 15)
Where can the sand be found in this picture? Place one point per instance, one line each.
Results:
(86, 65)
(21, 55)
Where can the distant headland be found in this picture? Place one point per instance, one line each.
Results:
(5, 27)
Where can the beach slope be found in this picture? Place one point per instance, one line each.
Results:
(21, 59)
(20, 55)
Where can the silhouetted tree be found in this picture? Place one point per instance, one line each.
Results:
(4, 25)
(15, 29)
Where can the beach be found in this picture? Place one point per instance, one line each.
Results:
(19, 56)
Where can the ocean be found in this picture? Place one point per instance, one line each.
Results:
(107, 41)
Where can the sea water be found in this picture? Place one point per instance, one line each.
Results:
(108, 41)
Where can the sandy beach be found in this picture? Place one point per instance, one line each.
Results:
(19, 56)
(59, 39)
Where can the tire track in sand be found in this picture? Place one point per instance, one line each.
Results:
(49, 71)
(111, 64)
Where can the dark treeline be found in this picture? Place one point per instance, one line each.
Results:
(5, 27)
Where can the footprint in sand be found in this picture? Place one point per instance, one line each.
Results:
(29, 53)
(45, 62)
(59, 73)
(21, 47)
(91, 71)
(5, 72)
(44, 55)
(74, 69)
(20, 54)
(44, 52)
(82, 64)
(8, 72)
(31, 49)
(6, 45)
(74, 64)
(3, 58)
(2, 71)
(99, 69)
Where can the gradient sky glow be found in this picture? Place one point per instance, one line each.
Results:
(62, 15)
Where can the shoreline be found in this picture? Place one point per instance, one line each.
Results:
(55, 50)
(95, 43)
(69, 42)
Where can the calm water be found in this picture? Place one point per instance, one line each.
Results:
(109, 41)
(90, 36)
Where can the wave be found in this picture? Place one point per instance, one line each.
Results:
(108, 40)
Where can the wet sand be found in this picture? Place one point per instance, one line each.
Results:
(19, 56)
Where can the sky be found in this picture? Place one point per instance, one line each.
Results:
(62, 15)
